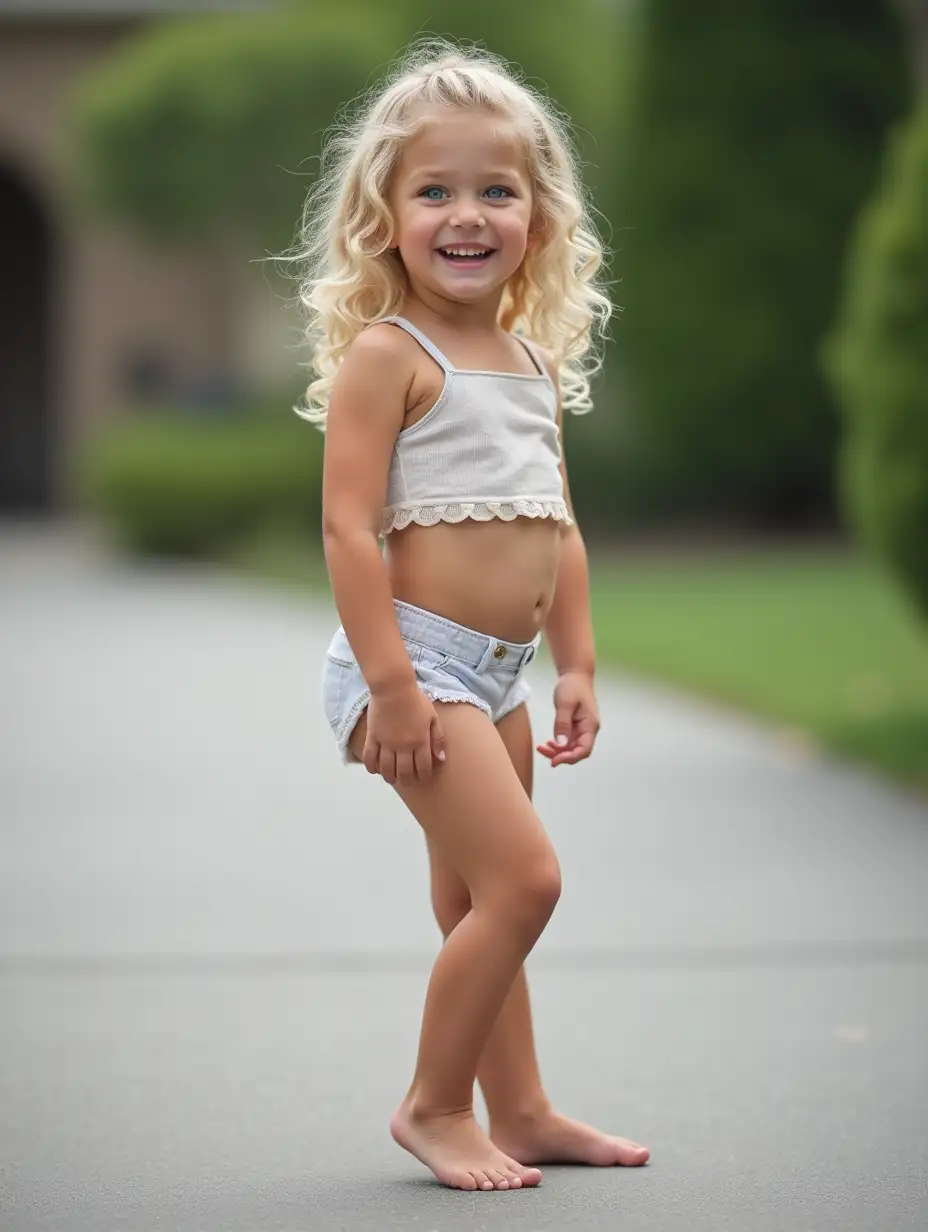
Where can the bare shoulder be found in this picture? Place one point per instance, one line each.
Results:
(373, 381)
(382, 350)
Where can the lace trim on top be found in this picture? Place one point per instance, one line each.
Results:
(479, 511)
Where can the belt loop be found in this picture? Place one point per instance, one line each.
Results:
(485, 657)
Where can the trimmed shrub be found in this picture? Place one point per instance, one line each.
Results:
(172, 485)
(756, 133)
(878, 361)
(210, 126)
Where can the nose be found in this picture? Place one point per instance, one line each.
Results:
(468, 214)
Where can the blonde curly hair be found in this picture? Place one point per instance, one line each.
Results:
(349, 277)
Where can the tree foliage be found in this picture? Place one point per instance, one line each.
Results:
(210, 126)
(878, 360)
(756, 134)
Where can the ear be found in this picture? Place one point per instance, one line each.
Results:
(535, 232)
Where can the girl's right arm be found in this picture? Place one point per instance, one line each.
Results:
(366, 411)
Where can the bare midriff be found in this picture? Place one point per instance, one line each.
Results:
(496, 577)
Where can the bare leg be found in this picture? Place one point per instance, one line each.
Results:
(476, 813)
(522, 1122)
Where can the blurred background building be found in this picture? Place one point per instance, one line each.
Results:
(91, 316)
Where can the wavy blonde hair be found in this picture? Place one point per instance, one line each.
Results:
(349, 277)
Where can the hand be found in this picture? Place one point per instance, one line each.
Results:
(404, 736)
(576, 720)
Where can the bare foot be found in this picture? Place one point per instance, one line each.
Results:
(551, 1138)
(457, 1150)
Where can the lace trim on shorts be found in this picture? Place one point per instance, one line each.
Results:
(439, 695)
(480, 511)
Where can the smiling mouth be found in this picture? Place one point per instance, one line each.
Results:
(473, 254)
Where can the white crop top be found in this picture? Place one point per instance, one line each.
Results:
(488, 448)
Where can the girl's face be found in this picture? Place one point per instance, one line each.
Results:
(462, 202)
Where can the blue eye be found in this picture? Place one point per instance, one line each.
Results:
(432, 189)
(498, 188)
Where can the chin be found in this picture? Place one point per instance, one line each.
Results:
(471, 288)
(460, 292)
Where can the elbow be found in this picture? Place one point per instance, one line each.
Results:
(332, 528)
(340, 532)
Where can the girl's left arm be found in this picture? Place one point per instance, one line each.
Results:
(569, 627)
(569, 633)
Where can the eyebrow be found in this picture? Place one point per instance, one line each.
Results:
(438, 173)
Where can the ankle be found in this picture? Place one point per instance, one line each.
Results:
(525, 1113)
(421, 1106)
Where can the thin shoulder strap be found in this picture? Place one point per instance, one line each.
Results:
(425, 343)
(533, 354)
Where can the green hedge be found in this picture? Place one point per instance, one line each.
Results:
(756, 132)
(173, 485)
(878, 360)
(209, 127)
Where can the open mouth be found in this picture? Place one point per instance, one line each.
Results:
(472, 255)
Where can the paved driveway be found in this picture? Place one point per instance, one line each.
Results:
(214, 943)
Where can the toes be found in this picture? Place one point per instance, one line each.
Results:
(514, 1168)
(633, 1153)
(515, 1181)
(500, 1181)
(530, 1176)
(483, 1180)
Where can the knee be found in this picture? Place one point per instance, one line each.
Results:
(534, 894)
(545, 886)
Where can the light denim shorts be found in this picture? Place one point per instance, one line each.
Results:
(452, 664)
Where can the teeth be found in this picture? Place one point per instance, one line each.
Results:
(466, 252)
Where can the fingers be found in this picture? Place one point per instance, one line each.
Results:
(563, 724)
(564, 748)
(387, 765)
(404, 766)
(579, 745)
(421, 763)
(407, 765)
(371, 756)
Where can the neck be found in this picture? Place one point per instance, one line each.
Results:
(435, 309)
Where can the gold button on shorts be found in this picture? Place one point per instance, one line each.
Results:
(499, 652)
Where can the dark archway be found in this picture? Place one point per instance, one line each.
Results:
(26, 429)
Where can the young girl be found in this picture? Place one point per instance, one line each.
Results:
(452, 302)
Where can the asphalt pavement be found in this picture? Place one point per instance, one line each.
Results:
(214, 942)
